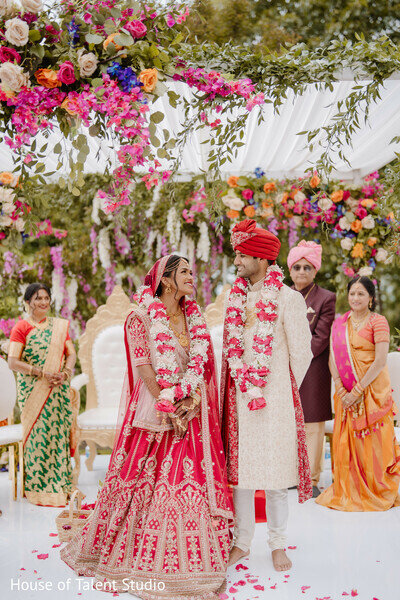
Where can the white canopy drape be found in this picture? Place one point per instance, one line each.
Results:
(275, 145)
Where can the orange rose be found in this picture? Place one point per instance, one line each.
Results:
(65, 106)
(367, 202)
(391, 216)
(149, 79)
(6, 178)
(358, 250)
(109, 40)
(372, 241)
(47, 78)
(232, 181)
(356, 226)
(269, 187)
(267, 203)
(232, 214)
(249, 211)
(337, 196)
(314, 181)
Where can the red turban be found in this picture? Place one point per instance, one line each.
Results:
(252, 240)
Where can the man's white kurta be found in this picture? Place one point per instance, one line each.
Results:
(268, 437)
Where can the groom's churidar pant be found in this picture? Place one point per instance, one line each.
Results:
(315, 435)
(277, 510)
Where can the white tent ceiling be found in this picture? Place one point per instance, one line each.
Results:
(274, 145)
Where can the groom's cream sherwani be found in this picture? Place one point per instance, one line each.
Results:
(267, 437)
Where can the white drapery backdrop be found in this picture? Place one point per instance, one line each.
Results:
(274, 145)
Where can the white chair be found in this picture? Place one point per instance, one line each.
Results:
(393, 363)
(103, 362)
(10, 435)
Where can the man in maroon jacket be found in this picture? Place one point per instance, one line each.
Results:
(304, 261)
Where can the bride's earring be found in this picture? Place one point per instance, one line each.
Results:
(168, 289)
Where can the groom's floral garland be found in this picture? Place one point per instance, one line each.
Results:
(250, 378)
(174, 388)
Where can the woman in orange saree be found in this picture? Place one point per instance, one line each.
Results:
(366, 455)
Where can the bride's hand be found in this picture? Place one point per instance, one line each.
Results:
(186, 405)
(180, 424)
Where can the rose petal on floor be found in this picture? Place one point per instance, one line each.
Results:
(53, 534)
(259, 587)
(241, 567)
(56, 545)
(354, 593)
(42, 556)
(292, 547)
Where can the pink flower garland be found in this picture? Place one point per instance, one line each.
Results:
(174, 387)
(250, 378)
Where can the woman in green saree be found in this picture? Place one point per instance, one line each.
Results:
(43, 356)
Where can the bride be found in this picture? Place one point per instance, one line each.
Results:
(160, 527)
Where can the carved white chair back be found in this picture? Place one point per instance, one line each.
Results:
(109, 365)
(8, 390)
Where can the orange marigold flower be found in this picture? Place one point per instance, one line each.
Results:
(337, 196)
(391, 216)
(149, 79)
(356, 225)
(269, 186)
(314, 181)
(109, 40)
(232, 181)
(249, 211)
(47, 78)
(372, 241)
(232, 214)
(358, 250)
(6, 178)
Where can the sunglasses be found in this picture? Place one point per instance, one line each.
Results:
(306, 268)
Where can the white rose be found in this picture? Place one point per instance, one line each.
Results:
(344, 224)
(6, 7)
(365, 271)
(346, 243)
(279, 198)
(12, 77)
(232, 201)
(6, 195)
(5, 221)
(32, 6)
(87, 63)
(19, 225)
(325, 203)
(368, 222)
(17, 32)
(8, 208)
(299, 196)
(381, 255)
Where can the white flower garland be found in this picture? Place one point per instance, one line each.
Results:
(174, 388)
(249, 379)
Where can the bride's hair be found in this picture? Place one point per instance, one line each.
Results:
(170, 270)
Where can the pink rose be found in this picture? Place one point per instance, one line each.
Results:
(170, 21)
(136, 28)
(361, 212)
(66, 73)
(247, 194)
(9, 55)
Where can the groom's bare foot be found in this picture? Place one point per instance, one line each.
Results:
(236, 554)
(281, 561)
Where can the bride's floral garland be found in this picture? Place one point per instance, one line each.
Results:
(249, 379)
(174, 388)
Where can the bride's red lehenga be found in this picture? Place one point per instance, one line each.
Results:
(160, 527)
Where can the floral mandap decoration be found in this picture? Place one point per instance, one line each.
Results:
(347, 215)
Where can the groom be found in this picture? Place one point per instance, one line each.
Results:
(266, 353)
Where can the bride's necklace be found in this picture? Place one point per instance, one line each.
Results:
(357, 324)
(181, 336)
(175, 316)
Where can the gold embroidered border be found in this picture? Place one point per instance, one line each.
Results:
(47, 498)
(41, 390)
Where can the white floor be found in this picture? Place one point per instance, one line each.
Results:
(334, 554)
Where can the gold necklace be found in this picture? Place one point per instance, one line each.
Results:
(181, 336)
(39, 324)
(357, 324)
(175, 316)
